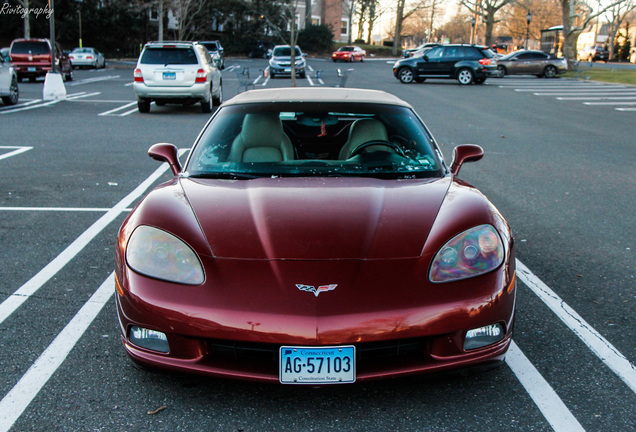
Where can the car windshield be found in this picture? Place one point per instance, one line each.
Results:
(166, 56)
(314, 140)
(30, 48)
(82, 51)
(285, 52)
(346, 48)
(211, 46)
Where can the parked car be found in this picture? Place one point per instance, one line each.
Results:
(593, 53)
(315, 236)
(280, 63)
(9, 90)
(410, 52)
(216, 52)
(177, 72)
(4, 53)
(349, 54)
(260, 49)
(531, 63)
(89, 57)
(32, 59)
(465, 63)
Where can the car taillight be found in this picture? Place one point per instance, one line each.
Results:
(138, 75)
(484, 61)
(201, 76)
(89, 57)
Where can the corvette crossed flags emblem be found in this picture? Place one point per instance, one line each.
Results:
(316, 291)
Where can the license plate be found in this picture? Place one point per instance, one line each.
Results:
(31, 69)
(170, 75)
(317, 365)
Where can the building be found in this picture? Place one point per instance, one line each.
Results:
(334, 13)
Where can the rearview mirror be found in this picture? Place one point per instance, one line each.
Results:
(165, 152)
(465, 153)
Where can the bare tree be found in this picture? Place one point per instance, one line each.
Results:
(615, 17)
(186, 12)
(487, 10)
(576, 15)
(403, 12)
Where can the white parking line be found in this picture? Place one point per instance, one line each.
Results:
(15, 300)
(83, 95)
(17, 151)
(58, 209)
(18, 399)
(601, 97)
(91, 80)
(33, 105)
(110, 112)
(543, 395)
(600, 346)
(609, 103)
(12, 107)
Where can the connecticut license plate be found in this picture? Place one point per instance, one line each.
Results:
(169, 75)
(317, 365)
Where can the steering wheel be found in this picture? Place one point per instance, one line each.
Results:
(362, 147)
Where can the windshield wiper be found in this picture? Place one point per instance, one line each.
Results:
(228, 175)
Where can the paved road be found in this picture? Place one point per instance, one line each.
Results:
(559, 164)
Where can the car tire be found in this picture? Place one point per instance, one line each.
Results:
(502, 71)
(465, 76)
(406, 75)
(361, 59)
(143, 105)
(550, 71)
(14, 93)
(218, 100)
(206, 106)
(69, 76)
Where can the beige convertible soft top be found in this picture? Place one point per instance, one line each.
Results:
(316, 94)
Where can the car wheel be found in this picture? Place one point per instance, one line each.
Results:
(69, 75)
(502, 71)
(218, 99)
(406, 75)
(303, 74)
(206, 106)
(14, 93)
(550, 71)
(143, 105)
(465, 76)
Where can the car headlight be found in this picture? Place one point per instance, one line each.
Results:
(471, 253)
(155, 253)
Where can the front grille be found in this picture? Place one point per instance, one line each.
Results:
(365, 352)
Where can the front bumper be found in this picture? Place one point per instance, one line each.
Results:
(244, 345)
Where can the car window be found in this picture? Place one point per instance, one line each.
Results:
(285, 52)
(211, 46)
(30, 48)
(435, 53)
(469, 53)
(318, 141)
(169, 56)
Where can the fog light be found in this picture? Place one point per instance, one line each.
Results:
(149, 339)
(483, 336)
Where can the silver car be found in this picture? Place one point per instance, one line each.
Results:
(280, 63)
(89, 57)
(177, 72)
(9, 91)
(531, 63)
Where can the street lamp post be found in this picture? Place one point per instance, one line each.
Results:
(528, 19)
(79, 11)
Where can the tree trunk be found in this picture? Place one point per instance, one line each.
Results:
(399, 17)
(570, 35)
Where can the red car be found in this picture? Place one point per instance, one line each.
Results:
(349, 54)
(32, 59)
(315, 236)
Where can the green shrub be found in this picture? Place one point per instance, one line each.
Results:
(316, 39)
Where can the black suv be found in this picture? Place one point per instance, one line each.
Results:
(465, 63)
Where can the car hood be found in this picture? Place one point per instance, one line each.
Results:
(315, 218)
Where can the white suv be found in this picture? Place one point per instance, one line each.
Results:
(177, 72)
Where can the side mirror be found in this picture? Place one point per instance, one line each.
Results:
(425, 57)
(165, 152)
(465, 153)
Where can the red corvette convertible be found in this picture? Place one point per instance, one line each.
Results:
(315, 236)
